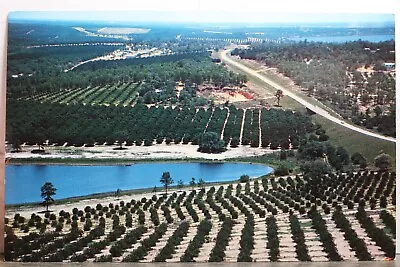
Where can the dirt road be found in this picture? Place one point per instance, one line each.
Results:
(225, 58)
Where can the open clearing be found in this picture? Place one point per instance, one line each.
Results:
(160, 151)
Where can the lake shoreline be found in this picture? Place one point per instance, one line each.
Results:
(103, 153)
(132, 185)
(134, 193)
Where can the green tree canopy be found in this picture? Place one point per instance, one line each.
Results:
(383, 161)
(166, 180)
(357, 158)
(47, 193)
(278, 95)
(312, 150)
(211, 143)
(281, 170)
(121, 136)
(315, 168)
(244, 178)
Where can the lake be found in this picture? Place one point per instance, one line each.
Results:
(345, 38)
(23, 182)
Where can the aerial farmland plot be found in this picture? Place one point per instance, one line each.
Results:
(132, 141)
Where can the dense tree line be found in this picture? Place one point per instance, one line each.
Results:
(218, 252)
(388, 220)
(325, 237)
(357, 244)
(375, 233)
(299, 239)
(34, 123)
(198, 240)
(272, 238)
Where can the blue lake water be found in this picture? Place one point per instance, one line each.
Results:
(23, 182)
(346, 38)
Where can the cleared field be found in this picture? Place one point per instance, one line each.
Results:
(348, 217)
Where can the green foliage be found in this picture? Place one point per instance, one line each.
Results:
(312, 150)
(375, 233)
(166, 180)
(322, 69)
(291, 195)
(247, 241)
(299, 239)
(358, 159)
(61, 124)
(281, 170)
(47, 192)
(198, 240)
(201, 183)
(383, 161)
(273, 239)
(389, 221)
(244, 178)
(210, 143)
(192, 183)
(146, 244)
(315, 168)
(350, 235)
(218, 252)
(325, 237)
(174, 240)
(235, 142)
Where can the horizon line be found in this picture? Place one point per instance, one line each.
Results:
(201, 17)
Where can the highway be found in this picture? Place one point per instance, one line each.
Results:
(229, 61)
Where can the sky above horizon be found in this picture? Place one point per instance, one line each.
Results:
(351, 19)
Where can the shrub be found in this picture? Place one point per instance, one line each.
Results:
(282, 170)
(244, 178)
(59, 227)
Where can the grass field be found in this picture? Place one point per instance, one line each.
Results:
(356, 142)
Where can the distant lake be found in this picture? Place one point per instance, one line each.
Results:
(346, 38)
(23, 182)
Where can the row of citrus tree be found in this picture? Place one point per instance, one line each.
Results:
(34, 123)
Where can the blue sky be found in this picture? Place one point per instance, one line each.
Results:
(208, 17)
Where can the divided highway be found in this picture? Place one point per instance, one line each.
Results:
(318, 110)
